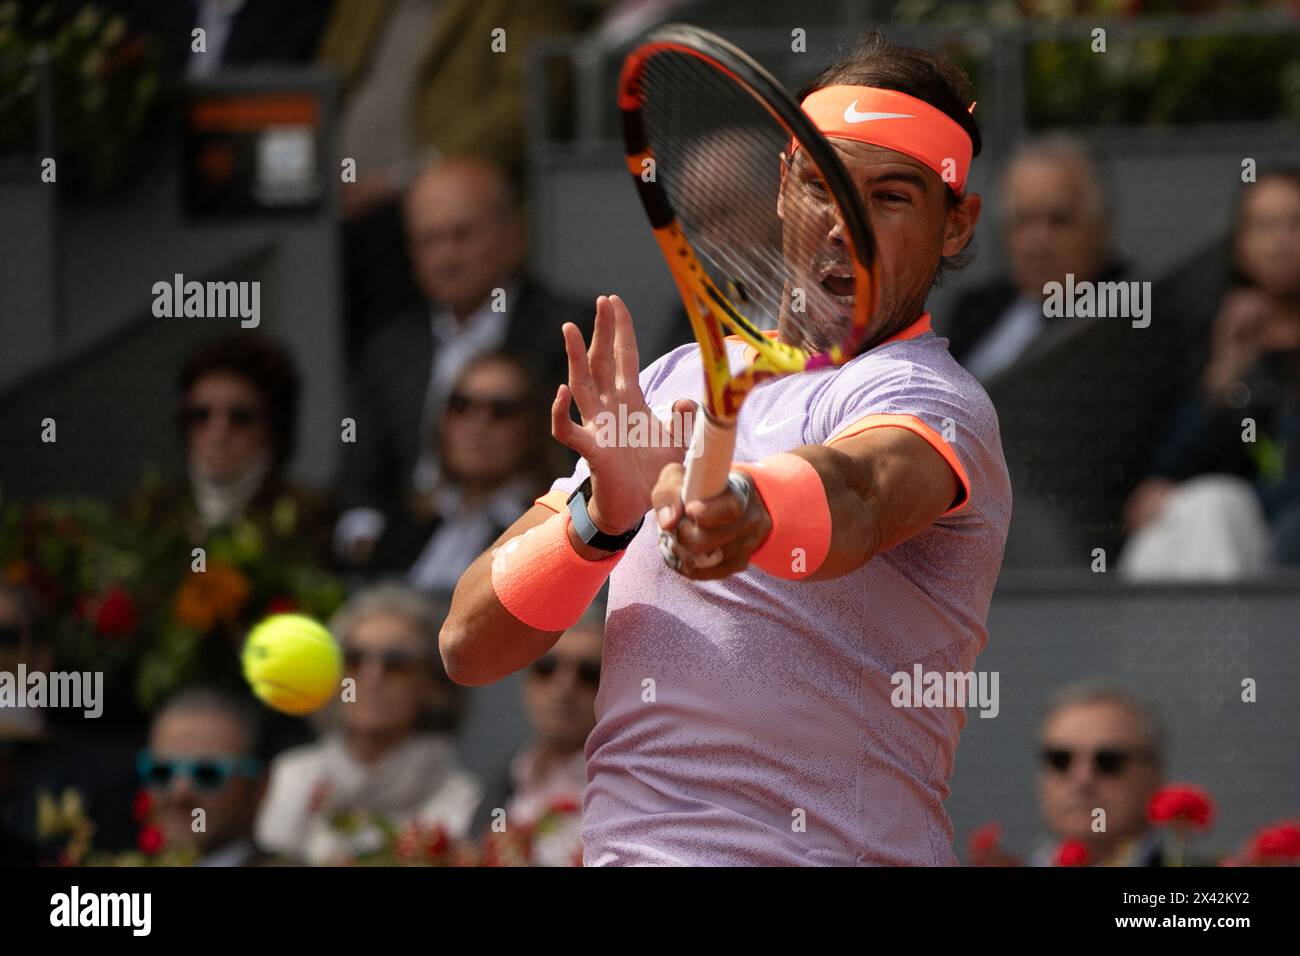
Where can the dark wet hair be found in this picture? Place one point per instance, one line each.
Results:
(926, 75)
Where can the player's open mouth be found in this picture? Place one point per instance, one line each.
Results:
(840, 286)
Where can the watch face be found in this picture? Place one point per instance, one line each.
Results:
(586, 528)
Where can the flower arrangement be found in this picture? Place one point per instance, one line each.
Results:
(552, 840)
(108, 85)
(1184, 810)
(131, 597)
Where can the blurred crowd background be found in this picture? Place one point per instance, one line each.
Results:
(424, 192)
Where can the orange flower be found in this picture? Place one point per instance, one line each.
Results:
(207, 597)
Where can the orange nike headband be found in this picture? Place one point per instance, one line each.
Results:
(896, 121)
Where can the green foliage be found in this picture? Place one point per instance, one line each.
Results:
(125, 600)
(108, 92)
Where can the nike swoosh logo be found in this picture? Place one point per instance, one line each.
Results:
(851, 115)
(764, 428)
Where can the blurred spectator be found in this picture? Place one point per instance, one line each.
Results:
(421, 79)
(467, 241)
(547, 775)
(206, 751)
(560, 700)
(497, 457)
(236, 33)
(410, 67)
(1056, 221)
(42, 762)
(1223, 502)
(1078, 399)
(389, 752)
(238, 413)
(1100, 748)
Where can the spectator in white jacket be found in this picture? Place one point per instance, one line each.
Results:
(389, 752)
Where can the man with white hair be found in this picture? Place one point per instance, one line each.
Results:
(1055, 222)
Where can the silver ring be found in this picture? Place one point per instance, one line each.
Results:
(667, 550)
(743, 486)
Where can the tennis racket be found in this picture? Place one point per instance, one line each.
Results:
(757, 219)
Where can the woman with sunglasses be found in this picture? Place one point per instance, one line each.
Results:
(388, 753)
(237, 410)
(495, 456)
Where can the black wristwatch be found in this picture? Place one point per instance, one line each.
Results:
(586, 528)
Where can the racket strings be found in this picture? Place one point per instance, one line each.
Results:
(718, 160)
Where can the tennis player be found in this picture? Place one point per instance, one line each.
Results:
(744, 713)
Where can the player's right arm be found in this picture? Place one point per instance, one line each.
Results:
(483, 639)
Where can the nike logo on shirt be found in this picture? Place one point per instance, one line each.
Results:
(764, 428)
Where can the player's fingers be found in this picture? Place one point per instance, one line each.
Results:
(580, 382)
(681, 422)
(601, 354)
(627, 360)
(720, 511)
(698, 541)
(734, 558)
(666, 497)
(565, 429)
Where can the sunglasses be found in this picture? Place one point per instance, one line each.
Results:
(392, 660)
(1106, 763)
(240, 416)
(205, 773)
(588, 670)
(498, 409)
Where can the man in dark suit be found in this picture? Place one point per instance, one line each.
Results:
(1100, 747)
(467, 242)
(1056, 221)
(1077, 398)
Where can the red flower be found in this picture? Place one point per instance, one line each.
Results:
(1279, 843)
(564, 805)
(282, 604)
(150, 840)
(1071, 853)
(1181, 804)
(986, 839)
(436, 843)
(141, 805)
(116, 615)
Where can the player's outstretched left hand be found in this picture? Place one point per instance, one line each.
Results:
(710, 539)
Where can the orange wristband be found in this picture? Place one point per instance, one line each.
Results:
(542, 581)
(795, 498)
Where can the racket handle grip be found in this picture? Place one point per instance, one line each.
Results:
(708, 460)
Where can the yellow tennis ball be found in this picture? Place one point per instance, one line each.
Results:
(292, 663)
